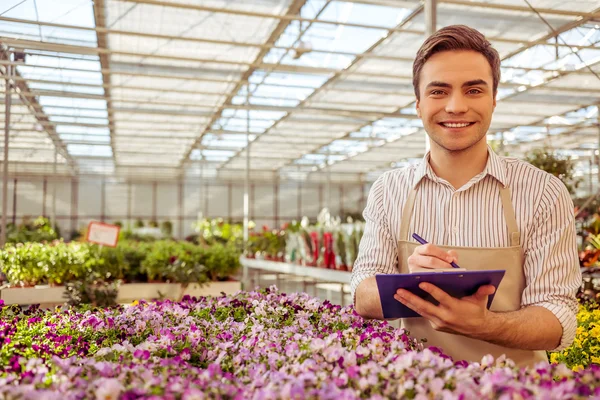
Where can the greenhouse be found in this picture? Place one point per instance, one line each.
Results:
(300, 199)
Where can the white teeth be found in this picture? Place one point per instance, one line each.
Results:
(456, 125)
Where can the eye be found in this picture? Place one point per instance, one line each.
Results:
(437, 92)
(474, 91)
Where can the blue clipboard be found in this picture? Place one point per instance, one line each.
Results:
(456, 284)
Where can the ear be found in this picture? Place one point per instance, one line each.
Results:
(494, 103)
(419, 110)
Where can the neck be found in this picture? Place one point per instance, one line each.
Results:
(458, 167)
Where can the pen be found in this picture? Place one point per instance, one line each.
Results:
(423, 241)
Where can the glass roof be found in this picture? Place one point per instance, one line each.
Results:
(320, 85)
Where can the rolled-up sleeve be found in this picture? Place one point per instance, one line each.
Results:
(377, 250)
(551, 268)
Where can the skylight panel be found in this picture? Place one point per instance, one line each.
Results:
(89, 150)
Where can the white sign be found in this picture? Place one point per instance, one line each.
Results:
(103, 234)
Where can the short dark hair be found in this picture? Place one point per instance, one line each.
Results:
(456, 37)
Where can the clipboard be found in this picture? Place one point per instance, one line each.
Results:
(456, 284)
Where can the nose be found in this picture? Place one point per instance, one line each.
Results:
(457, 104)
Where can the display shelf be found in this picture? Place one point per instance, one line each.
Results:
(322, 274)
(128, 292)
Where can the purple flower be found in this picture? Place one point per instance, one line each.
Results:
(142, 354)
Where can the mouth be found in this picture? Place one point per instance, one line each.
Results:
(456, 125)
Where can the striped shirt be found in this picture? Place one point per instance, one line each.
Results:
(473, 216)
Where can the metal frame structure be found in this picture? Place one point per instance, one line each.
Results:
(321, 89)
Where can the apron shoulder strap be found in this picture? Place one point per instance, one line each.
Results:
(509, 216)
(407, 214)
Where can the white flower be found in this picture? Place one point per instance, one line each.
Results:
(317, 344)
(409, 384)
(108, 389)
(349, 359)
(487, 361)
(363, 351)
(436, 386)
(363, 383)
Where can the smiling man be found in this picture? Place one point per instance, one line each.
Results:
(476, 208)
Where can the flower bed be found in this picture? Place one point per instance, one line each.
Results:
(252, 345)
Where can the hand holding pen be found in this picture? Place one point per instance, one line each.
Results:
(430, 256)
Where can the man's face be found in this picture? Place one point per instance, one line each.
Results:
(457, 99)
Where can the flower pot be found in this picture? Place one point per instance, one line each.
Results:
(33, 295)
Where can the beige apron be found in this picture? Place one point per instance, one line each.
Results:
(507, 298)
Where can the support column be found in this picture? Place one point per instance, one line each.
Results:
(44, 194)
(103, 200)
(7, 104)
(201, 188)
(53, 222)
(247, 189)
(300, 201)
(154, 202)
(14, 210)
(328, 203)
(320, 197)
(74, 204)
(229, 202)
(180, 211)
(430, 10)
(129, 203)
(276, 202)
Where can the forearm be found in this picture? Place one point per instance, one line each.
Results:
(531, 328)
(367, 302)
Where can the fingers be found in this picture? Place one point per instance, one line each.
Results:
(454, 255)
(417, 262)
(483, 292)
(417, 304)
(431, 256)
(442, 297)
(433, 251)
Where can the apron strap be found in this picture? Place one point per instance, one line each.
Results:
(407, 214)
(509, 216)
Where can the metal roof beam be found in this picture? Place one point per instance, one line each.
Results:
(34, 105)
(253, 66)
(293, 9)
(102, 38)
(564, 28)
(331, 80)
(294, 18)
(510, 7)
(550, 35)
(101, 30)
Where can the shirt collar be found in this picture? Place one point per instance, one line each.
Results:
(494, 167)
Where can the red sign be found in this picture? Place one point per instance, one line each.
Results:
(104, 234)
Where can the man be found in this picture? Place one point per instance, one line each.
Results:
(478, 209)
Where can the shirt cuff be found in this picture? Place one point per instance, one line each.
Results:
(567, 319)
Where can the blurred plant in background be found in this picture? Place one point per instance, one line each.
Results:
(562, 167)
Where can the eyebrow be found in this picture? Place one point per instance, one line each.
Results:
(474, 82)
